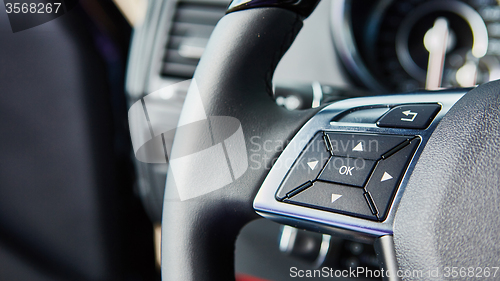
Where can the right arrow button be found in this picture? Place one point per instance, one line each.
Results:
(387, 175)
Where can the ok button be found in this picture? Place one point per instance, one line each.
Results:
(346, 170)
(351, 171)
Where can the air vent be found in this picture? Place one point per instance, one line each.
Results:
(192, 25)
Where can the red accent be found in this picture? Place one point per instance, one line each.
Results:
(245, 277)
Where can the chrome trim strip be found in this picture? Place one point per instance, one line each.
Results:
(386, 254)
(323, 250)
(288, 235)
(317, 94)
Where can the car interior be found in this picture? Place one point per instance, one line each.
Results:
(250, 140)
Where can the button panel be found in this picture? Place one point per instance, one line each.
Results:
(411, 116)
(348, 173)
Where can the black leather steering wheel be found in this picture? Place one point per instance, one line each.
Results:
(448, 215)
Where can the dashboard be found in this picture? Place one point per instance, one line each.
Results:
(347, 48)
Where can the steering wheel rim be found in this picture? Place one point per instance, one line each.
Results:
(234, 79)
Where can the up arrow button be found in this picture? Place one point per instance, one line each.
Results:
(365, 146)
(358, 147)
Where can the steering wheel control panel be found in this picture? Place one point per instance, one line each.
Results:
(353, 174)
(346, 169)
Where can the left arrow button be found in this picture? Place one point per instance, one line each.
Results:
(306, 168)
